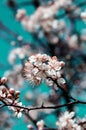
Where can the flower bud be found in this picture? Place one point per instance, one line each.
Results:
(3, 80)
(40, 124)
(4, 90)
(17, 93)
(9, 96)
(30, 127)
(11, 91)
(62, 63)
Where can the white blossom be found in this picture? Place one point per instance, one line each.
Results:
(66, 121)
(41, 67)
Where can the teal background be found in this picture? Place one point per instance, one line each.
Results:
(7, 18)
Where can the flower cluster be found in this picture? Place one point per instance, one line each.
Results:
(20, 52)
(66, 121)
(45, 24)
(41, 67)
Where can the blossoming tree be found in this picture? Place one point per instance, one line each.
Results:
(51, 67)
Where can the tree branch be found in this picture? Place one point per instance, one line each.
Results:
(45, 107)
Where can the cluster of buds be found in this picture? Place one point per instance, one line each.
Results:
(8, 95)
(13, 97)
(41, 67)
(10, 98)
